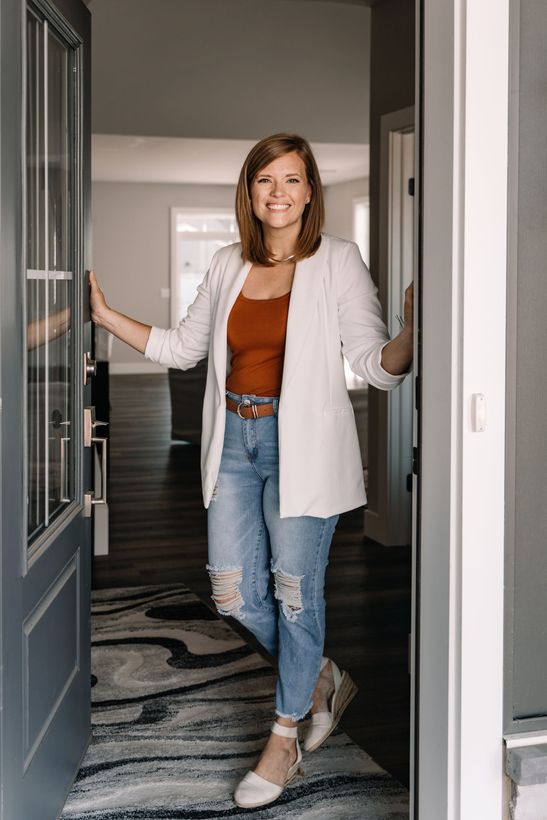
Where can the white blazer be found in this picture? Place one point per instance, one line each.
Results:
(334, 311)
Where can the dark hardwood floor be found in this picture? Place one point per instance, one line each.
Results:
(158, 534)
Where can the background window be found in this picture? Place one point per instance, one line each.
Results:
(196, 235)
(361, 234)
(361, 228)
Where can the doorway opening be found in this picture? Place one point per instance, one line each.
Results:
(379, 562)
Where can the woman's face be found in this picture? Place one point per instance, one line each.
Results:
(281, 191)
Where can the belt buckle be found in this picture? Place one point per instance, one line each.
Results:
(247, 403)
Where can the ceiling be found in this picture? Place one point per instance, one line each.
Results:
(231, 69)
(182, 90)
(121, 158)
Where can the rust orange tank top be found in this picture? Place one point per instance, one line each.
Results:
(256, 337)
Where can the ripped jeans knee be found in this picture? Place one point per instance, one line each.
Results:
(226, 584)
(288, 590)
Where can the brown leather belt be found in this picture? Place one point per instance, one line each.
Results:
(249, 411)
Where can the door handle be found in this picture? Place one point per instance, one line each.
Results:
(90, 423)
(89, 426)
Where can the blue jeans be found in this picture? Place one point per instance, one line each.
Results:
(267, 571)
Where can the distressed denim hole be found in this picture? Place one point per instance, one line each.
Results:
(226, 595)
(288, 591)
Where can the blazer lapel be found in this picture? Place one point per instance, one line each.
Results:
(305, 292)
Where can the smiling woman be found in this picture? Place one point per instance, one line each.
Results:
(275, 314)
(280, 188)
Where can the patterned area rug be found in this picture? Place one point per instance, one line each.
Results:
(182, 707)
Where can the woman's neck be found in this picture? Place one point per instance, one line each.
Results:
(281, 244)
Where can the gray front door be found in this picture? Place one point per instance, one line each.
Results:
(46, 528)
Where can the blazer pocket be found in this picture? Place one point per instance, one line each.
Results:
(345, 409)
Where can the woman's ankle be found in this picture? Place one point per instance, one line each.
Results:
(283, 721)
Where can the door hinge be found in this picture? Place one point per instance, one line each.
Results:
(411, 186)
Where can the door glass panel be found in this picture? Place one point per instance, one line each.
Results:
(35, 254)
(50, 295)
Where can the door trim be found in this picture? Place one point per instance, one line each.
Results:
(389, 522)
(464, 268)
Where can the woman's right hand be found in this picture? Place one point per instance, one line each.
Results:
(97, 302)
(123, 327)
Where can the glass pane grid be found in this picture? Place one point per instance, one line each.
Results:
(49, 275)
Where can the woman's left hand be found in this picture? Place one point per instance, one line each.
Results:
(409, 307)
(397, 354)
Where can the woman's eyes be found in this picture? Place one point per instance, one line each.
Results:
(267, 179)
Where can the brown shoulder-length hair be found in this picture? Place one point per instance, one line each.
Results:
(253, 248)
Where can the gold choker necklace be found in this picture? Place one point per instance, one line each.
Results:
(281, 261)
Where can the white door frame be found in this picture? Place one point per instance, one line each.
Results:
(389, 520)
(463, 96)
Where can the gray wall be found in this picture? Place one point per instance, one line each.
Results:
(131, 246)
(233, 69)
(526, 575)
(339, 206)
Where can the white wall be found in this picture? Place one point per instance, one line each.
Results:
(131, 247)
(231, 69)
(339, 206)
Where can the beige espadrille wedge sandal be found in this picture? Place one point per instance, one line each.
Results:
(254, 790)
(324, 723)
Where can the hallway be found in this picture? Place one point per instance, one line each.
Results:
(181, 709)
(367, 588)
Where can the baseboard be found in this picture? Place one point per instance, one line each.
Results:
(374, 527)
(379, 530)
(131, 368)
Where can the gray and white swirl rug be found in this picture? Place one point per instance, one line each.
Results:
(181, 708)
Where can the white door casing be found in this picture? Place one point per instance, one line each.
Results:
(388, 519)
(464, 122)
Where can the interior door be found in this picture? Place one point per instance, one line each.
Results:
(388, 516)
(46, 523)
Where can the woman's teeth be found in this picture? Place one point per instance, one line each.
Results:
(278, 207)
